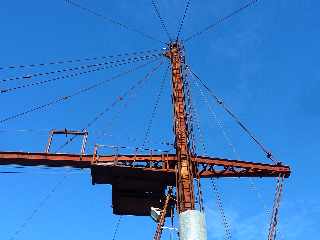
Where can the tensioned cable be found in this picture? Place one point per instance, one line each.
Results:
(37, 209)
(155, 5)
(125, 103)
(235, 118)
(97, 133)
(223, 216)
(253, 186)
(230, 144)
(155, 108)
(28, 76)
(192, 119)
(117, 228)
(107, 19)
(68, 97)
(59, 183)
(115, 102)
(221, 20)
(275, 211)
(67, 76)
(77, 60)
(221, 209)
(42, 203)
(183, 18)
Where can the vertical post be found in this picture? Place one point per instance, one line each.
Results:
(185, 190)
(49, 141)
(84, 143)
(192, 222)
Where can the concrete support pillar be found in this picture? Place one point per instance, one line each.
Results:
(192, 225)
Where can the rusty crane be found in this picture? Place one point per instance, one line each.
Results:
(162, 181)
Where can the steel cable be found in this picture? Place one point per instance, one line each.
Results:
(69, 76)
(224, 219)
(29, 76)
(117, 227)
(221, 20)
(231, 145)
(114, 103)
(155, 108)
(68, 97)
(107, 19)
(235, 118)
(77, 60)
(275, 211)
(62, 180)
(155, 5)
(40, 205)
(222, 212)
(183, 18)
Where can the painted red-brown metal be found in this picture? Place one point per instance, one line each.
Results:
(139, 181)
(207, 166)
(185, 188)
(218, 167)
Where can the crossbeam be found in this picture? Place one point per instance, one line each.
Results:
(218, 167)
(139, 181)
(207, 166)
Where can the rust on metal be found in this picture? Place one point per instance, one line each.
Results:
(139, 181)
(169, 202)
(185, 189)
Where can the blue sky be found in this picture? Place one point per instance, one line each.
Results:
(262, 62)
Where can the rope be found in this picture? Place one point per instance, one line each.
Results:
(221, 20)
(235, 118)
(107, 19)
(69, 75)
(183, 18)
(76, 60)
(68, 97)
(155, 5)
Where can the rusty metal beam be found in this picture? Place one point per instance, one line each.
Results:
(217, 167)
(76, 160)
(207, 166)
(185, 188)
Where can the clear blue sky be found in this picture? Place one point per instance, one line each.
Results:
(263, 63)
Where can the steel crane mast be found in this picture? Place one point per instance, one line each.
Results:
(140, 181)
(183, 155)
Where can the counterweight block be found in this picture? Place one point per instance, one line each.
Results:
(134, 190)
